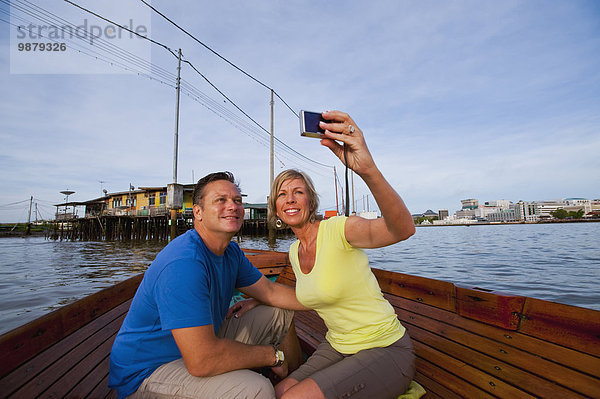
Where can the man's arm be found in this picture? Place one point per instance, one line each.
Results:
(273, 294)
(204, 354)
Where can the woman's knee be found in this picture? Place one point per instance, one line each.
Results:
(284, 386)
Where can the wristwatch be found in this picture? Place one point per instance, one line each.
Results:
(279, 356)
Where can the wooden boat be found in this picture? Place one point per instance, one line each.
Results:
(470, 343)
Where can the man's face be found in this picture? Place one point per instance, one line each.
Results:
(221, 210)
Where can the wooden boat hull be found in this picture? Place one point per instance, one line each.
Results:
(469, 342)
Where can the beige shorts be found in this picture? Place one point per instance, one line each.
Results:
(372, 373)
(262, 325)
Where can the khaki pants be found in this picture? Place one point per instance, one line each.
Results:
(262, 325)
(371, 373)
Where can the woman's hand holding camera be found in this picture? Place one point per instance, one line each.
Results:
(341, 127)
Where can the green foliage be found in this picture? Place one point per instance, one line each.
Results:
(22, 227)
(563, 214)
(559, 214)
(421, 219)
(576, 215)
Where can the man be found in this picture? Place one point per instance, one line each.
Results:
(178, 339)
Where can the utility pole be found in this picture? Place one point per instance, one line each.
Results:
(28, 229)
(353, 207)
(337, 208)
(271, 174)
(175, 191)
(176, 139)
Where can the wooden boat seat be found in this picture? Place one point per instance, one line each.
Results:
(476, 344)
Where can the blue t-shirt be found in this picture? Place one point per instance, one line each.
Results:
(186, 286)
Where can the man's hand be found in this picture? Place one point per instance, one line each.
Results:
(281, 371)
(242, 307)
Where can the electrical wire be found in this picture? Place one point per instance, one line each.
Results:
(44, 15)
(100, 42)
(122, 27)
(207, 80)
(252, 119)
(220, 56)
(97, 55)
(15, 203)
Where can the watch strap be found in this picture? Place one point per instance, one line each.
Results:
(279, 356)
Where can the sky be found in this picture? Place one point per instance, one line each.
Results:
(463, 99)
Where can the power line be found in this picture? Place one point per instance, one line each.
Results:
(123, 27)
(249, 117)
(220, 56)
(110, 48)
(15, 203)
(128, 57)
(100, 42)
(207, 80)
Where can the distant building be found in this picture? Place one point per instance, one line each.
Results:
(544, 209)
(525, 212)
(255, 211)
(442, 214)
(500, 204)
(502, 216)
(330, 214)
(506, 211)
(575, 204)
(144, 201)
(465, 214)
(368, 214)
(470, 203)
(429, 214)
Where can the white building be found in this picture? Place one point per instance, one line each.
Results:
(575, 204)
(503, 215)
(368, 215)
(500, 204)
(470, 203)
(543, 209)
(525, 211)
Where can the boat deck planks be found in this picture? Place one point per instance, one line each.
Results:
(473, 343)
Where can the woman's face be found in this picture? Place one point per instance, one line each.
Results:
(293, 203)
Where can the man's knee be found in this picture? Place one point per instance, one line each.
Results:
(245, 384)
(260, 388)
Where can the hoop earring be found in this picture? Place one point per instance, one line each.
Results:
(279, 223)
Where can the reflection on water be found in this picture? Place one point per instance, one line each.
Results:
(558, 262)
(38, 275)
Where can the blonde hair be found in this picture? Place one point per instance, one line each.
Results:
(291, 174)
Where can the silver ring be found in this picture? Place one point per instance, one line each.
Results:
(351, 129)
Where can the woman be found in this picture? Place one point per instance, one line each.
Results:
(367, 352)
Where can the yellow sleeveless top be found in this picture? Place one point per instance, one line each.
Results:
(345, 293)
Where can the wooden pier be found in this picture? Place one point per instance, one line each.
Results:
(124, 228)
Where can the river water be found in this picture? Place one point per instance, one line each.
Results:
(556, 262)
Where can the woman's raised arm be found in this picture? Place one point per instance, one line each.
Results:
(396, 223)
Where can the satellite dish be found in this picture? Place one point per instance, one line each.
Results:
(67, 192)
(105, 191)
